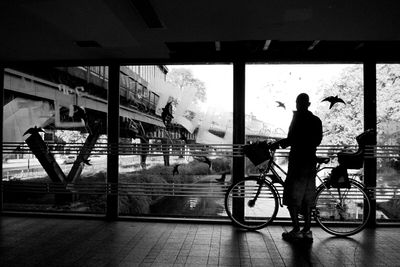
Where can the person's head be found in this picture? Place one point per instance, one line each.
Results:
(302, 102)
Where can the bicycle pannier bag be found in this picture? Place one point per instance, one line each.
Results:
(257, 152)
(339, 177)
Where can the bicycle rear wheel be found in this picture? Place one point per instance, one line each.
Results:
(342, 211)
(246, 209)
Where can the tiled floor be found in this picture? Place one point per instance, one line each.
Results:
(27, 241)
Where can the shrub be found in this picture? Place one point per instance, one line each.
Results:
(221, 165)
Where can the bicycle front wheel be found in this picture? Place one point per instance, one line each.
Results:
(342, 211)
(251, 204)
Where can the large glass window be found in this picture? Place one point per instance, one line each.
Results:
(175, 155)
(54, 127)
(388, 152)
(175, 133)
(271, 92)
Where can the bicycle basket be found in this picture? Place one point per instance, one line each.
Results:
(339, 177)
(351, 160)
(257, 152)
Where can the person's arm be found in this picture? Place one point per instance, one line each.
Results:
(318, 132)
(284, 143)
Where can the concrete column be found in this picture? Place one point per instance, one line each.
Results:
(370, 120)
(238, 128)
(1, 135)
(113, 140)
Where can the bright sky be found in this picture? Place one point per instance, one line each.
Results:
(218, 80)
(265, 84)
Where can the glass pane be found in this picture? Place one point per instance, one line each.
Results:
(271, 92)
(54, 158)
(174, 136)
(388, 151)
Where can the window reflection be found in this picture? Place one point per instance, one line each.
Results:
(271, 91)
(180, 145)
(388, 119)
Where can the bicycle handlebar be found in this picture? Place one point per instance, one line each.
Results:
(261, 151)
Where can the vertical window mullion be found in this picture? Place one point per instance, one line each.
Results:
(113, 140)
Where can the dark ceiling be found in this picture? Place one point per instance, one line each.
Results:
(198, 31)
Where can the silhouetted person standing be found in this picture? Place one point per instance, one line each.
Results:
(305, 134)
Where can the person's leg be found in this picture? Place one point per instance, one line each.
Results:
(307, 219)
(295, 233)
(294, 215)
(306, 231)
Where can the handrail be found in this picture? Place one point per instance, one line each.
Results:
(211, 190)
(179, 149)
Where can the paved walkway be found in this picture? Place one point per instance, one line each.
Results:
(28, 241)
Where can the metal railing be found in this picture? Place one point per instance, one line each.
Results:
(174, 149)
(154, 189)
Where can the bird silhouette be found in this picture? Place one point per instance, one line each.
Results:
(166, 113)
(175, 170)
(333, 100)
(86, 162)
(34, 130)
(280, 104)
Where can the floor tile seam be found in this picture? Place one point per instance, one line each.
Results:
(316, 256)
(188, 233)
(35, 223)
(136, 238)
(220, 230)
(111, 256)
(154, 249)
(77, 238)
(274, 243)
(329, 250)
(21, 223)
(124, 254)
(33, 230)
(44, 242)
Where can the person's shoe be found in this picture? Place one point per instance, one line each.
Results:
(307, 236)
(292, 236)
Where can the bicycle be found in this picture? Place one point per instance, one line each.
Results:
(253, 202)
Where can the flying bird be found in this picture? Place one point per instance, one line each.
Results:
(166, 113)
(333, 100)
(34, 130)
(86, 162)
(175, 170)
(280, 104)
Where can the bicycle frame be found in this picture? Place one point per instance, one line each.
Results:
(330, 206)
(276, 178)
